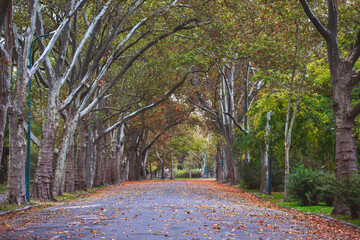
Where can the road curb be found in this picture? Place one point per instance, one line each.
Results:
(19, 210)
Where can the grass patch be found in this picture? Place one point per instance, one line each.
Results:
(3, 188)
(71, 196)
(10, 207)
(321, 208)
(348, 219)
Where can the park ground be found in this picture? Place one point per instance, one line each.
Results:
(174, 209)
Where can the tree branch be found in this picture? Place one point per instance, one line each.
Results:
(237, 124)
(321, 29)
(137, 112)
(355, 52)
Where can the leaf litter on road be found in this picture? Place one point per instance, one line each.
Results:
(180, 209)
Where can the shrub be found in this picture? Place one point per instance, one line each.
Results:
(304, 186)
(185, 173)
(347, 189)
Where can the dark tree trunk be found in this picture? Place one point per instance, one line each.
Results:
(4, 165)
(218, 165)
(132, 154)
(229, 167)
(5, 67)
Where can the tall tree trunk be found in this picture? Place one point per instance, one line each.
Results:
(15, 191)
(343, 79)
(119, 154)
(265, 159)
(5, 67)
(90, 163)
(228, 164)
(107, 160)
(132, 156)
(80, 183)
(151, 173)
(217, 165)
(126, 169)
(189, 167)
(69, 185)
(145, 163)
(346, 156)
(67, 142)
(172, 166)
(41, 188)
(203, 165)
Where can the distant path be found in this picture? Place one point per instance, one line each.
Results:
(168, 210)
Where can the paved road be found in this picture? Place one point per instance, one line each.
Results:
(160, 210)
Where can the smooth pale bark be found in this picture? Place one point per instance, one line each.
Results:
(5, 66)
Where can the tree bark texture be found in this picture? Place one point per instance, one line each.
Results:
(42, 185)
(119, 155)
(67, 141)
(132, 156)
(69, 185)
(15, 190)
(5, 67)
(343, 79)
(90, 163)
(80, 182)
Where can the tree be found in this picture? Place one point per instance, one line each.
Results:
(344, 78)
(6, 65)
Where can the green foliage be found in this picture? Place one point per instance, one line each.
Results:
(347, 189)
(185, 173)
(3, 188)
(251, 175)
(304, 186)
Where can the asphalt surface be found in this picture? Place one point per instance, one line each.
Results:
(159, 210)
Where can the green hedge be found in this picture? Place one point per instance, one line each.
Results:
(185, 173)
